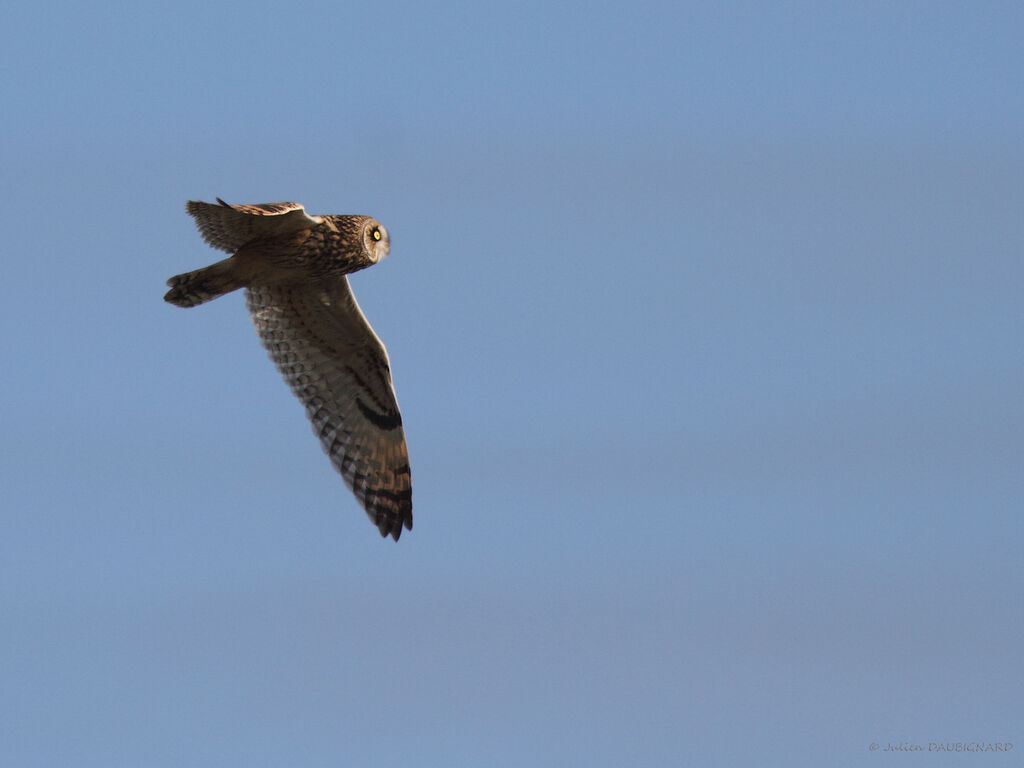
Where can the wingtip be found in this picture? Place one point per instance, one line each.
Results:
(194, 207)
(393, 528)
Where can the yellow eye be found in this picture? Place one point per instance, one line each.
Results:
(376, 234)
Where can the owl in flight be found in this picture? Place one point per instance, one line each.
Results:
(293, 267)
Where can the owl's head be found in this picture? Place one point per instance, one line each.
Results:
(375, 240)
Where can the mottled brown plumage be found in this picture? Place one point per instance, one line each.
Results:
(293, 267)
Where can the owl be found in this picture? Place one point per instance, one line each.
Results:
(294, 267)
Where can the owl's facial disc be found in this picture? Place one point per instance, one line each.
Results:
(376, 240)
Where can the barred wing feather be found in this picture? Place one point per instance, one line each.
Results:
(319, 339)
(229, 227)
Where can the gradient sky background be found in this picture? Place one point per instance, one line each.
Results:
(706, 325)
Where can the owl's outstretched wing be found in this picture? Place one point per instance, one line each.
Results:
(229, 227)
(320, 340)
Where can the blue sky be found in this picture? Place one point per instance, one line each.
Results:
(705, 322)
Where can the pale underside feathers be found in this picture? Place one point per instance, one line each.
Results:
(308, 320)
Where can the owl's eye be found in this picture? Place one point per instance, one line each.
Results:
(375, 233)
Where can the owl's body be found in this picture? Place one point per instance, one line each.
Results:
(293, 267)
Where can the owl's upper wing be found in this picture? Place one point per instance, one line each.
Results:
(320, 340)
(229, 227)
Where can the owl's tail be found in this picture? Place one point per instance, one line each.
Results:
(193, 288)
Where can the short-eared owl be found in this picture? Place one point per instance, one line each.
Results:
(293, 267)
